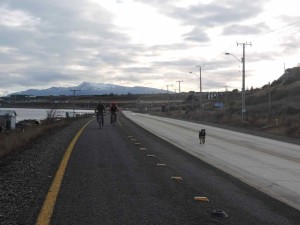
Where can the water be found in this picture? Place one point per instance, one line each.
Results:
(41, 114)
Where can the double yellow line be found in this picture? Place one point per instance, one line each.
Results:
(45, 214)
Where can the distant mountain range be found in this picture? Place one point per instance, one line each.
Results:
(87, 88)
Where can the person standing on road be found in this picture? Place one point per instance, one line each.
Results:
(113, 111)
(100, 109)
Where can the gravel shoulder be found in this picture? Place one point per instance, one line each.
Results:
(26, 176)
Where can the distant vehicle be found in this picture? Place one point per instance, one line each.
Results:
(27, 123)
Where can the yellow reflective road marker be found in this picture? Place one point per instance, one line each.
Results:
(201, 198)
(176, 178)
(161, 164)
(45, 214)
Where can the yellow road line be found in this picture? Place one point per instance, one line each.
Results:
(48, 206)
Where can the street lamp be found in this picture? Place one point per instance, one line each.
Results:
(169, 85)
(179, 81)
(74, 93)
(243, 85)
(242, 60)
(200, 86)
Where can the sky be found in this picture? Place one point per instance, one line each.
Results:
(147, 43)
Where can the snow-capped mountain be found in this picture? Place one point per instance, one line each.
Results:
(87, 88)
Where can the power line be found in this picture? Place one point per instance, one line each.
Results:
(275, 30)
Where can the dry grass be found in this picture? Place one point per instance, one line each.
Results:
(12, 141)
(277, 126)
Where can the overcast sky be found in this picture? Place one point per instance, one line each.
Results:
(149, 43)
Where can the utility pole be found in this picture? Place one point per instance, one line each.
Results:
(243, 86)
(225, 97)
(74, 92)
(269, 100)
(168, 88)
(200, 97)
(168, 94)
(179, 81)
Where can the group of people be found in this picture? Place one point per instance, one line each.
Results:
(100, 109)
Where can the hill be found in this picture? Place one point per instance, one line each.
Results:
(87, 88)
(282, 96)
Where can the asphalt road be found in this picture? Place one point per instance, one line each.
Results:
(269, 165)
(125, 175)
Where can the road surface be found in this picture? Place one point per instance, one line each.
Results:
(270, 166)
(126, 175)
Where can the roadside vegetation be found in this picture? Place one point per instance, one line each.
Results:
(273, 109)
(15, 140)
(281, 125)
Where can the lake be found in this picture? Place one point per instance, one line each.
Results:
(41, 114)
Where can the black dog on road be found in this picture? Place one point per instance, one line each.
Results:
(202, 135)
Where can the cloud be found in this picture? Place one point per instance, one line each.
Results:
(214, 13)
(197, 35)
(38, 77)
(252, 29)
(61, 30)
(290, 44)
(45, 43)
(17, 19)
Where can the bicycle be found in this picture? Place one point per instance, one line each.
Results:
(100, 120)
(113, 118)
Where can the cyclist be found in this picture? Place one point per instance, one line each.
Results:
(100, 109)
(113, 111)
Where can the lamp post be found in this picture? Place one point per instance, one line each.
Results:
(168, 85)
(200, 86)
(179, 81)
(242, 60)
(243, 82)
(74, 93)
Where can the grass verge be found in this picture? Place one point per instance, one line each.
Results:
(15, 140)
